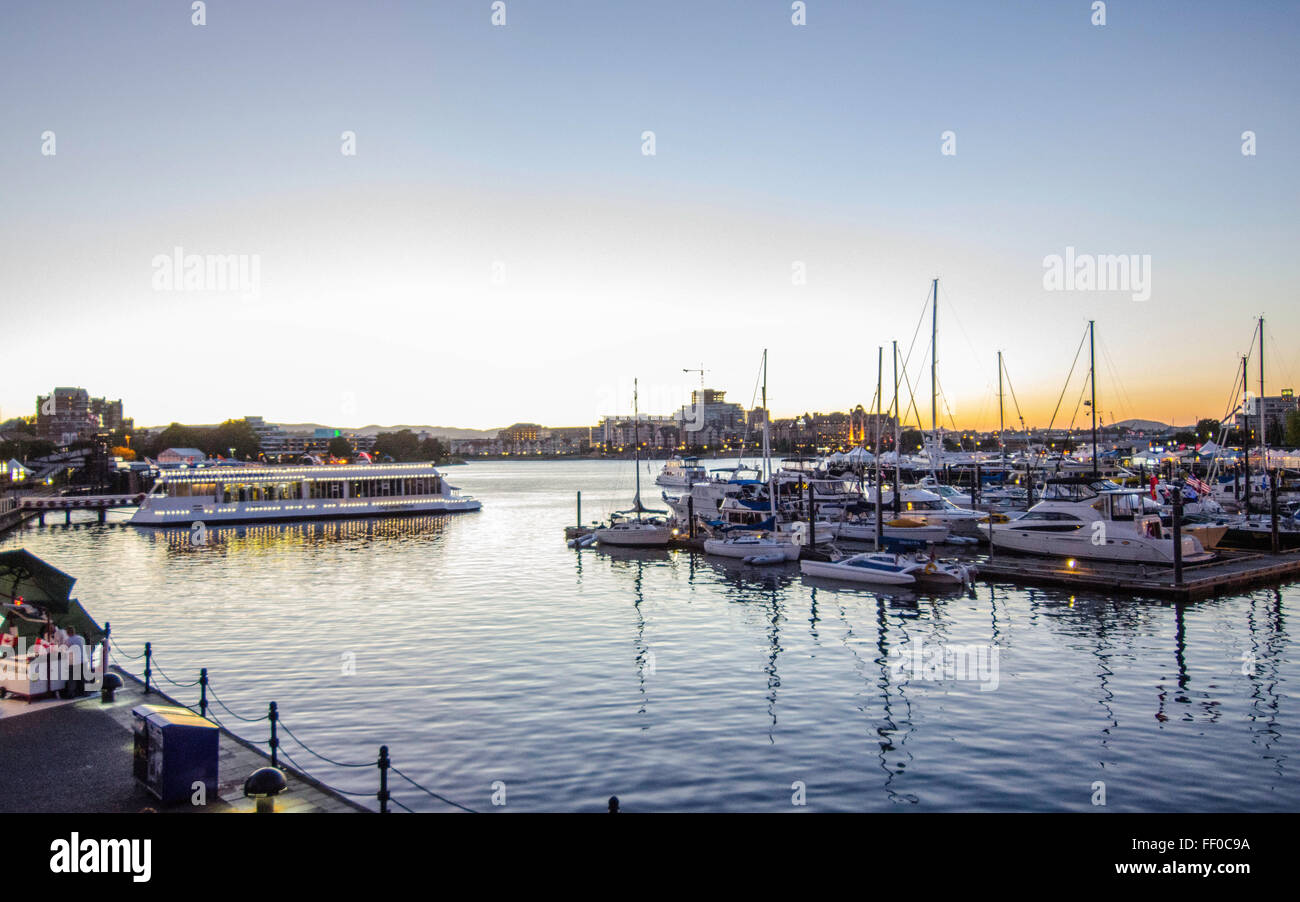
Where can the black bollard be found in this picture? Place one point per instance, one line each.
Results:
(690, 515)
(613, 804)
(384, 764)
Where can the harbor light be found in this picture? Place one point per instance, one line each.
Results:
(1071, 563)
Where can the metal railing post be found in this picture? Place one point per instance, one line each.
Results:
(273, 715)
(203, 692)
(148, 656)
(384, 764)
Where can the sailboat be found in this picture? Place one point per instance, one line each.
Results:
(632, 527)
(766, 545)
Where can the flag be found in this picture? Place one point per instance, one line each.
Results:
(1154, 483)
(1202, 488)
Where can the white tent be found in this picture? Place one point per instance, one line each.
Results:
(860, 456)
(1209, 449)
(17, 472)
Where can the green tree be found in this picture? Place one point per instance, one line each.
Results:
(340, 447)
(1291, 431)
(403, 445)
(1208, 430)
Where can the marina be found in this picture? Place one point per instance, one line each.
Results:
(806, 675)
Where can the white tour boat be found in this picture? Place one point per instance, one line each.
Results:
(224, 495)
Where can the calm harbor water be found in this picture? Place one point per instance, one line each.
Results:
(485, 650)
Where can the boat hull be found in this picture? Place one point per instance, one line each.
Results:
(848, 573)
(242, 515)
(722, 548)
(648, 537)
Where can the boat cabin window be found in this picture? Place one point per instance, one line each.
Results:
(1067, 491)
(1125, 507)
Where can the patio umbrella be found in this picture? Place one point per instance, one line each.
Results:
(24, 575)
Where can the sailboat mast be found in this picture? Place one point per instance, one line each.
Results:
(767, 450)
(898, 463)
(1245, 420)
(636, 447)
(1092, 373)
(1002, 445)
(880, 373)
(934, 376)
(1263, 424)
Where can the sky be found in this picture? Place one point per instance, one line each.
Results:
(501, 246)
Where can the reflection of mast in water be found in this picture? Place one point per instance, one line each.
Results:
(1180, 661)
(1261, 668)
(643, 654)
(773, 679)
(888, 728)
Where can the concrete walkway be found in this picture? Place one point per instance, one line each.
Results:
(77, 757)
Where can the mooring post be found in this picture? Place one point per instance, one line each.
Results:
(384, 764)
(579, 510)
(273, 715)
(203, 692)
(1272, 506)
(1178, 535)
(103, 655)
(148, 656)
(812, 518)
(690, 515)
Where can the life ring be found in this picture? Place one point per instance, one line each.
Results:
(931, 568)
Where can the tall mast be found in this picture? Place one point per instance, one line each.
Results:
(1092, 373)
(766, 449)
(636, 447)
(934, 376)
(880, 371)
(1263, 424)
(1245, 419)
(1002, 445)
(898, 464)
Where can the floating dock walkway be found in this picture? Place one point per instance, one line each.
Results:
(1232, 571)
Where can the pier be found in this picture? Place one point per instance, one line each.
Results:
(77, 757)
(101, 504)
(1232, 571)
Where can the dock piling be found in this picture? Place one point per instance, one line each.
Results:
(579, 510)
(203, 692)
(1272, 507)
(1178, 535)
(148, 671)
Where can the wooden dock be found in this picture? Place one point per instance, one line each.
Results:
(1232, 571)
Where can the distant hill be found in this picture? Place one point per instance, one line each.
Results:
(1141, 425)
(372, 429)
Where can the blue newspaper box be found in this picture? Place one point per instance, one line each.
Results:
(174, 749)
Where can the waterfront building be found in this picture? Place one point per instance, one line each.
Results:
(1271, 410)
(67, 415)
(181, 456)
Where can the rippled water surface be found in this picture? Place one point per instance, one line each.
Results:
(485, 650)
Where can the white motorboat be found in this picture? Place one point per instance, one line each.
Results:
(862, 528)
(681, 472)
(877, 568)
(1075, 520)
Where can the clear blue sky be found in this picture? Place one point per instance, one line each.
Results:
(521, 146)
